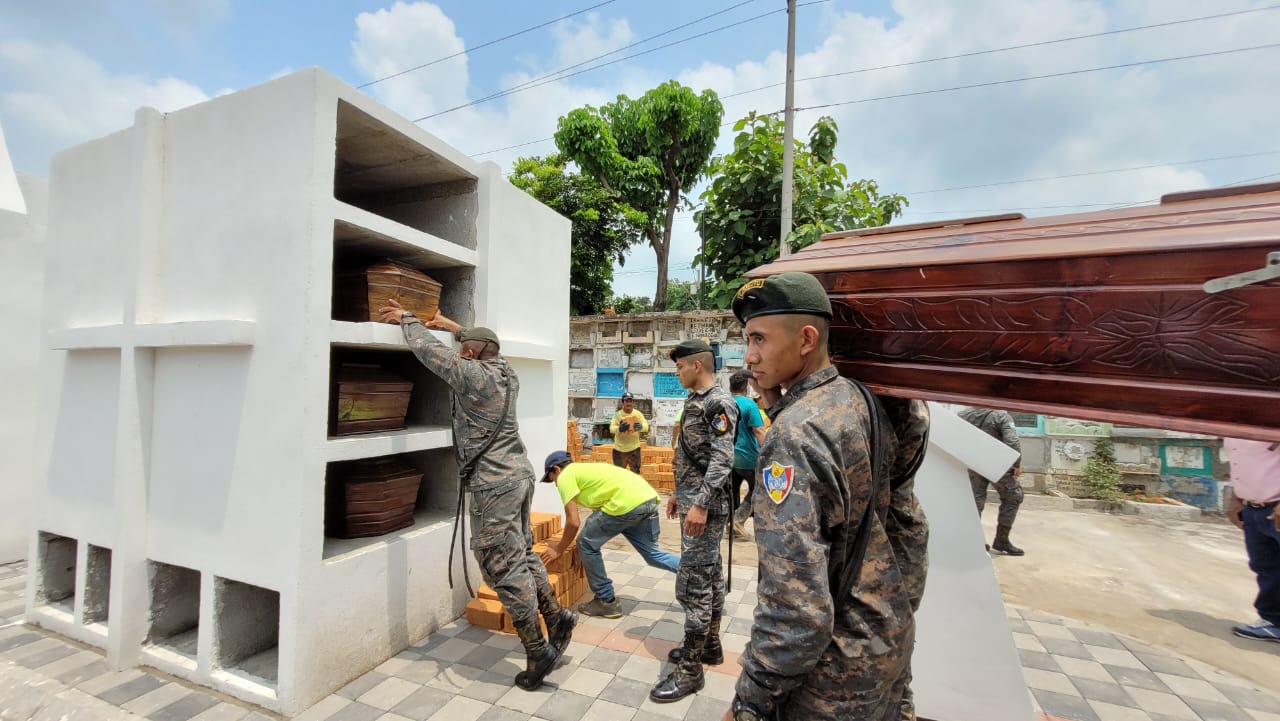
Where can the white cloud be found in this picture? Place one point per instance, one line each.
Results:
(56, 96)
(1086, 122)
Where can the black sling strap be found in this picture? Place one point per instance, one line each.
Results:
(856, 546)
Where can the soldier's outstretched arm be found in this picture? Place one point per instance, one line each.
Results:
(436, 356)
(795, 614)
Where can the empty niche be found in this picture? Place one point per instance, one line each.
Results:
(581, 407)
(57, 559)
(247, 622)
(175, 608)
(385, 172)
(97, 585)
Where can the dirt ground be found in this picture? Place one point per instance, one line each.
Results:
(1180, 585)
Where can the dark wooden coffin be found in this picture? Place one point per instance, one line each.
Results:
(360, 292)
(1102, 316)
(368, 399)
(373, 497)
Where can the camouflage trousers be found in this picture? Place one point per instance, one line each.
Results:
(1009, 490)
(502, 541)
(870, 687)
(700, 580)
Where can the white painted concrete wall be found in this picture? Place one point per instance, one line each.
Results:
(965, 667)
(188, 336)
(21, 276)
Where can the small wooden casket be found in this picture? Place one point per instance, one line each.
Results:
(373, 496)
(368, 398)
(358, 294)
(1130, 316)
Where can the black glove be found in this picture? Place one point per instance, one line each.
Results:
(623, 427)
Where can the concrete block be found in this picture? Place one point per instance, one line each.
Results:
(1161, 511)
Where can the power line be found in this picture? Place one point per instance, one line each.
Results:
(1036, 77)
(962, 55)
(1006, 48)
(555, 74)
(518, 33)
(1092, 172)
(560, 74)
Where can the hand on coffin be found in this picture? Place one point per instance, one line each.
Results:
(392, 312)
(440, 322)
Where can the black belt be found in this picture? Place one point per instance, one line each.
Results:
(1251, 504)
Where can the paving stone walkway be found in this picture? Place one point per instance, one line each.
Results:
(463, 673)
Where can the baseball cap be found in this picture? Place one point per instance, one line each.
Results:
(557, 458)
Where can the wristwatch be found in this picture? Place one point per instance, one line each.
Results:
(743, 711)
(408, 314)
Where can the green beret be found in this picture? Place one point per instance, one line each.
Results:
(479, 333)
(690, 347)
(784, 293)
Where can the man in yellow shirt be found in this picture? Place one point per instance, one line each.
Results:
(623, 503)
(626, 426)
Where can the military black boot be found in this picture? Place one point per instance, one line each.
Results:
(540, 657)
(712, 652)
(686, 678)
(560, 628)
(1002, 545)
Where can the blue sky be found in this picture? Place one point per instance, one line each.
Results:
(71, 70)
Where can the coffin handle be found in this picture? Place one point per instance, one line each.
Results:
(1267, 272)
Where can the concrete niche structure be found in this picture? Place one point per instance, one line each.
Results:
(185, 462)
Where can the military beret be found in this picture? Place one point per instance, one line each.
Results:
(690, 347)
(479, 333)
(784, 293)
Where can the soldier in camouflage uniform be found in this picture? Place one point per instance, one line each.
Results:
(907, 526)
(703, 469)
(499, 481)
(817, 652)
(999, 425)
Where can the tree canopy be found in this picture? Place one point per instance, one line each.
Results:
(603, 227)
(740, 216)
(648, 151)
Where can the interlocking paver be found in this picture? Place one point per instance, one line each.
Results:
(423, 703)
(1110, 692)
(1065, 706)
(191, 705)
(461, 708)
(626, 691)
(388, 693)
(1214, 711)
(228, 712)
(129, 690)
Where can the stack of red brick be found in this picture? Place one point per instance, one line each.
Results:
(573, 441)
(565, 574)
(655, 466)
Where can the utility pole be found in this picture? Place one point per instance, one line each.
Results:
(788, 130)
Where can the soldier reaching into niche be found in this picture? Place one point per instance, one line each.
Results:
(834, 625)
(999, 425)
(703, 468)
(498, 478)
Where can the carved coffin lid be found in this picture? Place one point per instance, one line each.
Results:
(1094, 315)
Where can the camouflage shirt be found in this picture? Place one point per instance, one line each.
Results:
(907, 527)
(815, 655)
(706, 428)
(479, 391)
(997, 424)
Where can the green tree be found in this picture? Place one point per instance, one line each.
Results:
(603, 226)
(1101, 471)
(630, 304)
(682, 295)
(649, 151)
(740, 214)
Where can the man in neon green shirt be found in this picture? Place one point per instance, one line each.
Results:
(626, 426)
(623, 503)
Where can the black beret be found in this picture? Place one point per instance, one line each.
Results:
(479, 333)
(690, 347)
(784, 293)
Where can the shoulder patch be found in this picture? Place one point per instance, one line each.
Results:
(750, 285)
(720, 423)
(778, 481)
